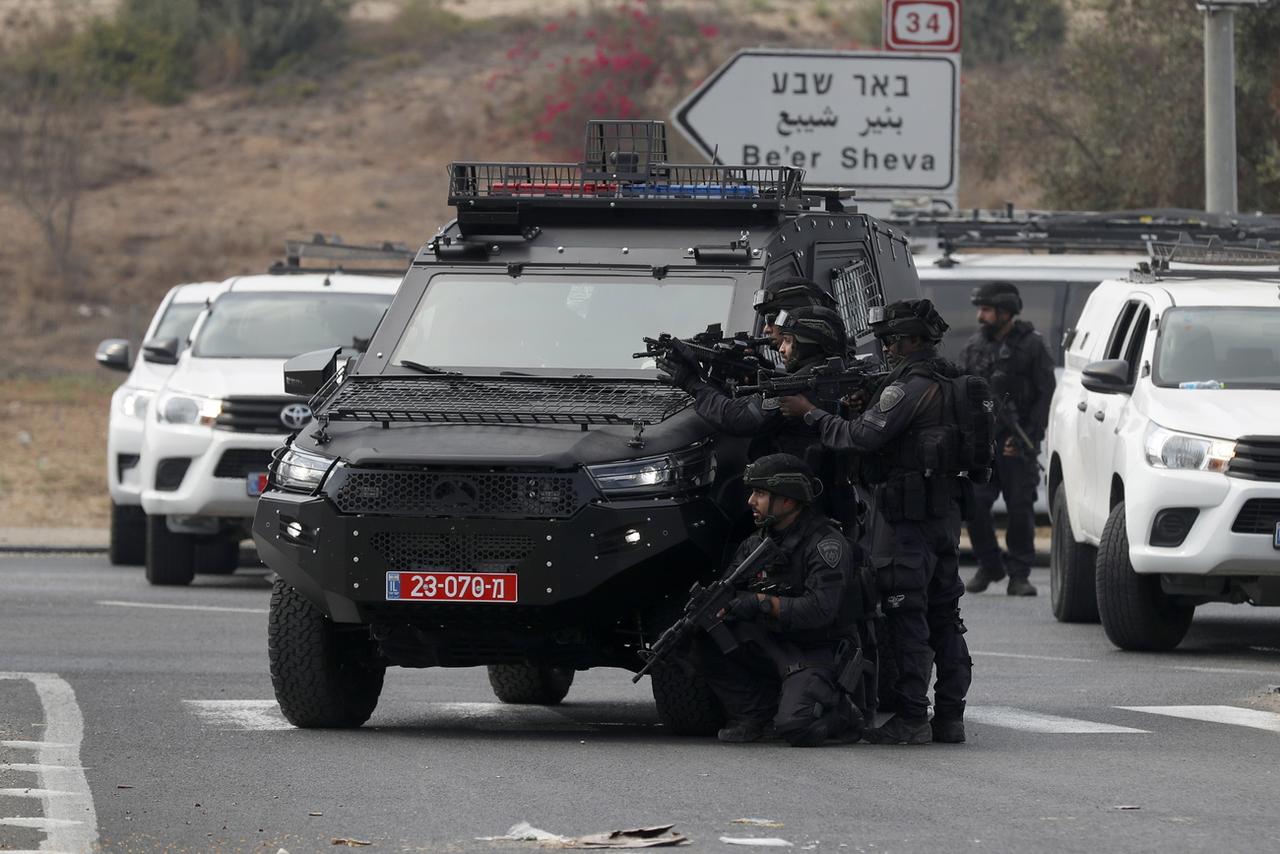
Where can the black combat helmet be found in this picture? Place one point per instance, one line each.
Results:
(791, 292)
(783, 474)
(820, 327)
(910, 317)
(999, 295)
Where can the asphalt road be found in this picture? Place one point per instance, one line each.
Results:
(141, 719)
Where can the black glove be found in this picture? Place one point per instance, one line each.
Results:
(745, 607)
(680, 366)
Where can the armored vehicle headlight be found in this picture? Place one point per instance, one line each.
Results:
(188, 409)
(668, 474)
(134, 403)
(300, 471)
(1169, 450)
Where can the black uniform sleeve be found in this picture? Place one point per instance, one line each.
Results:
(1036, 421)
(826, 560)
(736, 416)
(969, 355)
(885, 417)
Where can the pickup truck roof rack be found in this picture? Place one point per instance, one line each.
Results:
(1209, 259)
(393, 257)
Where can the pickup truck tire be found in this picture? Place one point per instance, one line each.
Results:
(128, 543)
(1136, 614)
(219, 556)
(686, 704)
(1073, 592)
(171, 558)
(325, 676)
(529, 684)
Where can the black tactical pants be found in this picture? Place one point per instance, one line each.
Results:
(1016, 478)
(918, 578)
(766, 679)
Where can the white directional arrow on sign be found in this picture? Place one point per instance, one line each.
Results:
(885, 123)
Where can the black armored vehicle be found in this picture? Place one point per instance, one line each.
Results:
(496, 480)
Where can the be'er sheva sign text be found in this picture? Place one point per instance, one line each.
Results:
(872, 121)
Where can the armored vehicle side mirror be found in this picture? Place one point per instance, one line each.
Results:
(1109, 376)
(161, 351)
(307, 373)
(114, 353)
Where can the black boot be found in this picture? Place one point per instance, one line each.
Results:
(900, 730)
(741, 732)
(1021, 587)
(982, 579)
(948, 730)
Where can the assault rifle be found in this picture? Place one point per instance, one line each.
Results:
(832, 380)
(727, 359)
(1007, 415)
(704, 606)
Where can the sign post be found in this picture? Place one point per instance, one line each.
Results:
(884, 124)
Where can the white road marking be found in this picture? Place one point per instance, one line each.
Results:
(249, 715)
(1008, 717)
(34, 768)
(1033, 657)
(1233, 715)
(1227, 670)
(71, 822)
(33, 793)
(31, 745)
(162, 607)
(40, 823)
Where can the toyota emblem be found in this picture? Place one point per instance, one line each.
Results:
(295, 415)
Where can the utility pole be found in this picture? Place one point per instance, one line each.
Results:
(1220, 191)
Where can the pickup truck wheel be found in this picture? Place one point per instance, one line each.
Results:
(324, 675)
(686, 704)
(1136, 614)
(128, 544)
(219, 556)
(171, 558)
(1072, 587)
(529, 684)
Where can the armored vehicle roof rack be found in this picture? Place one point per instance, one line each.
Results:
(625, 173)
(1063, 232)
(382, 258)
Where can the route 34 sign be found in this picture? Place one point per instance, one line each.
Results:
(884, 124)
(922, 25)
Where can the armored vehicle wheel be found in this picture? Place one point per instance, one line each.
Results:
(128, 545)
(1136, 614)
(219, 556)
(686, 703)
(324, 675)
(530, 684)
(1073, 591)
(171, 558)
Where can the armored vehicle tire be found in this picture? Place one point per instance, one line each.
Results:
(219, 556)
(1073, 590)
(128, 544)
(1136, 614)
(686, 704)
(530, 684)
(324, 675)
(171, 558)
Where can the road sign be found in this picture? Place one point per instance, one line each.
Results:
(884, 124)
(922, 25)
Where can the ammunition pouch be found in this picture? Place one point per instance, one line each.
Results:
(915, 497)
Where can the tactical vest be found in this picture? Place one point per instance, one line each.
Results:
(1006, 364)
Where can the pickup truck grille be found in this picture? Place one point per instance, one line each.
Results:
(259, 414)
(241, 462)
(1257, 458)
(1257, 516)
(452, 552)
(456, 494)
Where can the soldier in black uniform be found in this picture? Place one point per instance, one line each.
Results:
(788, 620)
(1013, 358)
(905, 434)
(787, 294)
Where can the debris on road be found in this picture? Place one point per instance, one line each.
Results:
(315, 813)
(350, 843)
(1127, 807)
(124, 786)
(661, 836)
(524, 832)
(761, 841)
(758, 822)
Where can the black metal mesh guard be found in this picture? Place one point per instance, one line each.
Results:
(467, 400)
(769, 185)
(1214, 251)
(857, 291)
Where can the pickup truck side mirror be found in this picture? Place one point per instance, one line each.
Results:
(161, 351)
(114, 353)
(307, 373)
(1109, 376)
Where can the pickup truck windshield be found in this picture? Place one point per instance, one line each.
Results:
(1239, 347)
(577, 323)
(270, 325)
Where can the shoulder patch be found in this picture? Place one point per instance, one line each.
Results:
(891, 397)
(830, 551)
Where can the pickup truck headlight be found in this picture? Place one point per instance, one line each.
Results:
(188, 409)
(1169, 450)
(134, 402)
(299, 471)
(669, 474)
